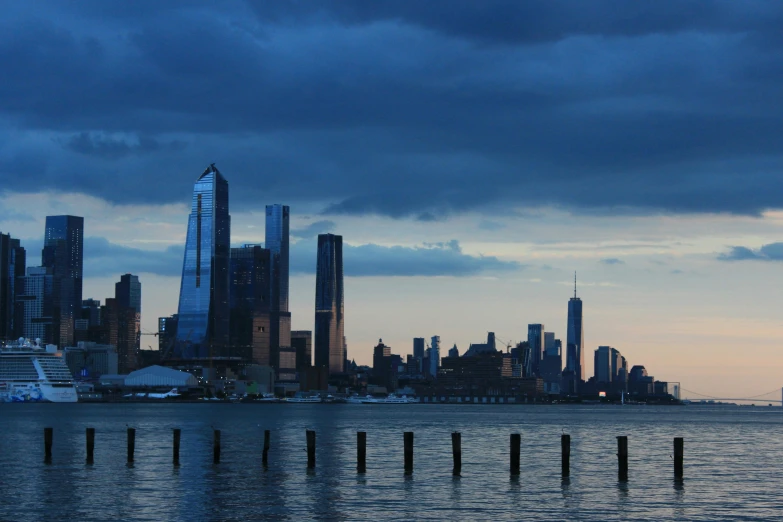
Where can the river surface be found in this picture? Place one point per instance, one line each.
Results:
(733, 463)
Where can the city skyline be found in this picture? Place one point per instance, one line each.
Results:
(469, 180)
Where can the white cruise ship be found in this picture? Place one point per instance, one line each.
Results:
(33, 373)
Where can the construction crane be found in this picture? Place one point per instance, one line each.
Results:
(167, 351)
(507, 343)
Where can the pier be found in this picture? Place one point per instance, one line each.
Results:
(309, 440)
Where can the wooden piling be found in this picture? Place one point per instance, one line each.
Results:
(622, 458)
(679, 450)
(177, 435)
(265, 454)
(131, 443)
(456, 450)
(408, 441)
(516, 443)
(361, 451)
(216, 446)
(565, 452)
(310, 449)
(48, 437)
(90, 445)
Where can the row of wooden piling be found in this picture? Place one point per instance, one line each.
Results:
(361, 451)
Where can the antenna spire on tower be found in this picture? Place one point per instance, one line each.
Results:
(574, 284)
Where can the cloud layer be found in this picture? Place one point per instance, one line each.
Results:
(403, 109)
(769, 252)
(105, 258)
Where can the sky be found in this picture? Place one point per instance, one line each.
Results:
(473, 155)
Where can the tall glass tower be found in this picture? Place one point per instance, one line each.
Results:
(282, 356)
(277, 242)
(575, 357)
(63, 255)
(329, 327)
(203, 312)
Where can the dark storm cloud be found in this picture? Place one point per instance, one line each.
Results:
(104, 258)
(769, 252)
(402, 108)
(114, 148)
(313, 229)
(430, 259)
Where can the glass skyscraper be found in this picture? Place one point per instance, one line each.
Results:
(277, 242)
(575, 357)
(203, 312)
(283, 357)
(63, 255)
(536, 339)
(329, 327)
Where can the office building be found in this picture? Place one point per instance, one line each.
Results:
(119, 324)
(552, 365)
(477, 348)
(127, 292)
(535, 339)
(419, 346)
(91, 311)
(549, 340)
(250, 291)
(203, 329)
(12, 266)
(167, 334)
(453, 351)
(63, 255)
(329, 326)
(89, 360)
(302, 342)
(34, 301)
(384, 369)
(575, 358)
(277, 242)
(603, 364)
(434, 355)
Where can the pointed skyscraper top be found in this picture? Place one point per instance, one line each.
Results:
(209, 170)
(574, 284)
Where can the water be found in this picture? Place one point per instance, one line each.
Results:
(732, 463)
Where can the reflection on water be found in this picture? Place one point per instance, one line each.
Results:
(242, 488)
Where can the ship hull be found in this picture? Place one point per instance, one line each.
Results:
(29, 392)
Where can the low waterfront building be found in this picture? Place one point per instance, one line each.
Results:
(160, 376)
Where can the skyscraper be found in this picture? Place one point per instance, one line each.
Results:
(536, 339)
(250, 301)
(119, 323)
(277, 242)
(12, 266)
(127, 292)
(603, 364)
(63, 255)
(203, 311)
(329, 327)
(435, 356)
(34, 303)
(575, 340)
